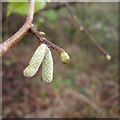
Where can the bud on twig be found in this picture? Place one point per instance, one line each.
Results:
(108, 57)
(42, 33)
(81, 28)
(64, 57)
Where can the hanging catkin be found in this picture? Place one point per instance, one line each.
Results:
(47, 67)
(35, 61)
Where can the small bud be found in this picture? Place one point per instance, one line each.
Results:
(108, 57)
(42, 33)
(64, 57)
(81, 28)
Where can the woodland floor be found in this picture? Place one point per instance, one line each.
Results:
(73, 93)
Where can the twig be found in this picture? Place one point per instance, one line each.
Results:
(14, 39)
(57, 6)
(83, 29)
(44, 40)
(86, 100)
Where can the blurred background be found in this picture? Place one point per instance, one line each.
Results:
(86, 87)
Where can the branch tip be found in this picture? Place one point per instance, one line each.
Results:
(78, 24)
(108, 57)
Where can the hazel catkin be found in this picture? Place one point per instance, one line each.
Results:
(47, 67)
(35, 61)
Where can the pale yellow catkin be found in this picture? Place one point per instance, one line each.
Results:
(35, 61)
(47, 67)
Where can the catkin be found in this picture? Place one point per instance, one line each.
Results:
(47, 67)
(35, 61)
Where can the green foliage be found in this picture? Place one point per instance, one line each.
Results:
(16, 7)
(83, 91)
(8, 62)
(47, 100)
(39, 6)
(51, 15)
(22, 7)
(69, 82)
(57, 81)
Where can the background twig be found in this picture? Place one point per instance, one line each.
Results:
(57, 6)
(83, 29)
(86, 100)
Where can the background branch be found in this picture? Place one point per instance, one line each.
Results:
(77, 24)
(14, 39)
(85, 99)
(57, 6)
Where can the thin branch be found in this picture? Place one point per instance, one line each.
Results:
(14, 39)
(83, 29)
(57, 6)
(82, 97)
(44, 40)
